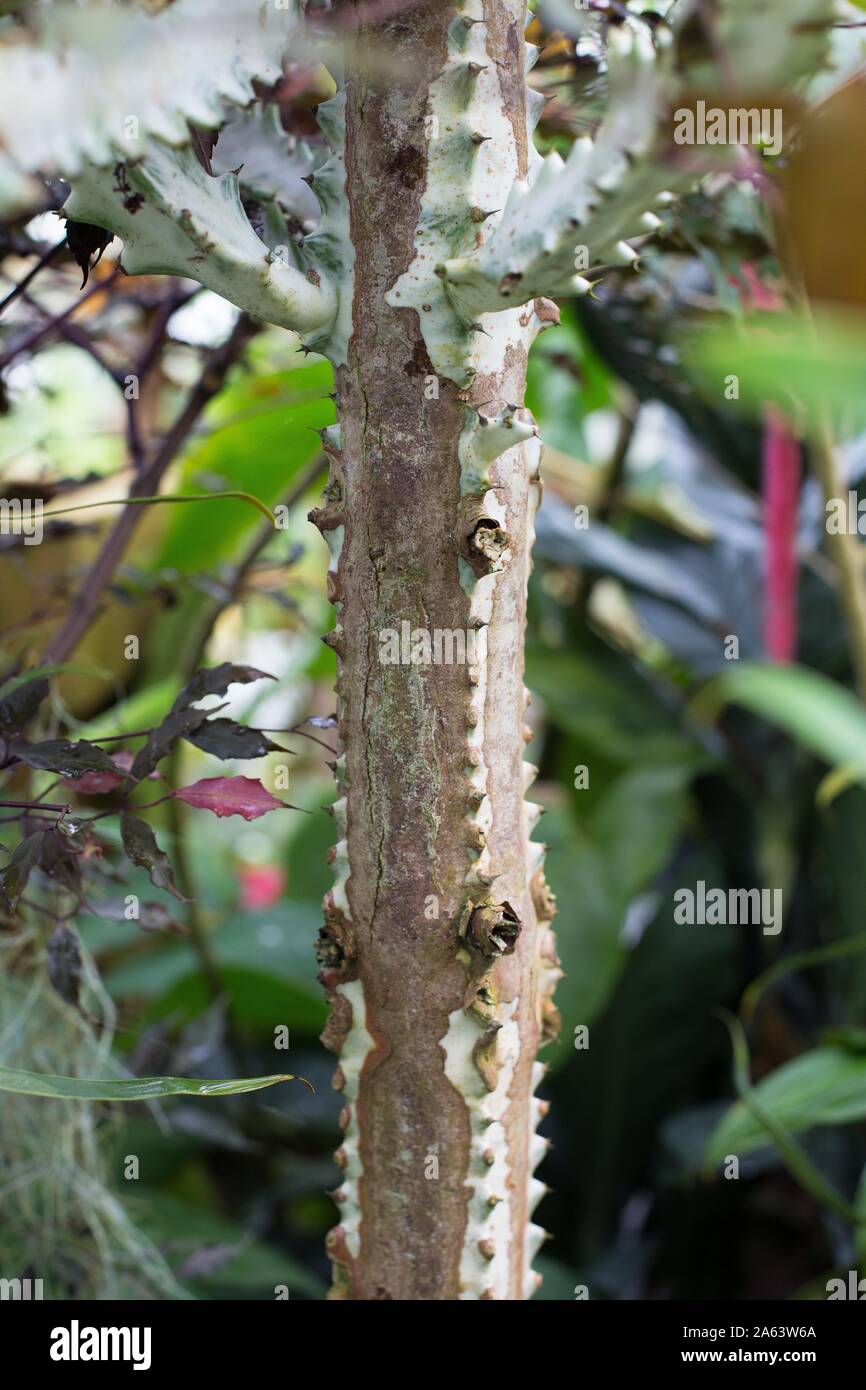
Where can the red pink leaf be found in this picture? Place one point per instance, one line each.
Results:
(231, 796)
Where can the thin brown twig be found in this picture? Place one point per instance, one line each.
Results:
(135, 443)
(165, 312)
(302, 733)
(77, 337)
(21, 287)
(86, 604)
(46, 911)
(33, 339)
(37, 806)
(614, 474)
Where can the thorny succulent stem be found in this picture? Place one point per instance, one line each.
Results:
(436, 952)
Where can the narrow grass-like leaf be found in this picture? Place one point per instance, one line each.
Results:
(166, 497)
(801, 960)
(31, 1083)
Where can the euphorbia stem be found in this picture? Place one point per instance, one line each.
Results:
(436, 1029)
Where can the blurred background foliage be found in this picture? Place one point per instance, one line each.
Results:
(663, 761)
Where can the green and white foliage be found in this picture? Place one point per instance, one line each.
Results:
(471, 167)
(272, 167)
(766, 45)
(90, 85)
(582, 211)
(176, 219)
(328, 255)
(489, 242)
(104, 98)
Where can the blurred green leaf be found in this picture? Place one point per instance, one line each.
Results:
(566, 381)
(266, 962)
(263, 434)
(787, 359)
(649, 1055)
(595, 695)
(599, 869)
(826, 1086)
(808, 1174)
(860, 1195)
(820, 714)
(801, 960)
(257, 998)
(253, 1270)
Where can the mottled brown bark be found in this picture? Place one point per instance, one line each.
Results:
(395, 488)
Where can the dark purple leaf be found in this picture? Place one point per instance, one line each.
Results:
(70, 760)
(160, 741)
(22, 862)
(100, 783)
(223, 738)
(140, 844)
(22, 704)
(215, 680)
(60, 863)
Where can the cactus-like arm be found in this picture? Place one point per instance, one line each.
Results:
(94, 84)
(176, 219)
(581, 212)
(104, 99)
